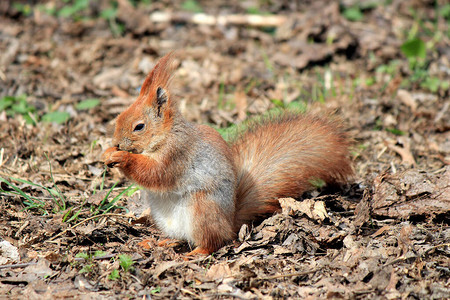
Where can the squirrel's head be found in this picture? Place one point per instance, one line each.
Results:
(143, 127)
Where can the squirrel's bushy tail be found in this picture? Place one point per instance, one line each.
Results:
(284, 156)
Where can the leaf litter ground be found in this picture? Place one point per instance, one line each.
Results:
(63, 225)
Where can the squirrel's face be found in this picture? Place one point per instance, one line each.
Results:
(143, 127)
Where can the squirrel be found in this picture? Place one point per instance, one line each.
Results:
(202, 189)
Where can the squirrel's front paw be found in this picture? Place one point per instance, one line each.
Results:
(114, 157)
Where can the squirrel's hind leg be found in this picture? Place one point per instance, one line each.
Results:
(212, 226)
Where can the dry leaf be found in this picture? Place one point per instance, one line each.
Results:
(315, 210)
(164, 266)
(8, 252)
(218, 272)
(405, 152)
(319, 211)
(411, 192)
(404, 241)
(407, 99)
(240, 99)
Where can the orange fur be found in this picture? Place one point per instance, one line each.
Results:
(199, 251)
(212, 226)
(145, 171)
(277, 157)
(280, 156)
(146, 104)
(170, 243)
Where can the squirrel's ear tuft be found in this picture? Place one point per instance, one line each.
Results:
(160, 75)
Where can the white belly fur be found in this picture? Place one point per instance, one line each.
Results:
(171, 213)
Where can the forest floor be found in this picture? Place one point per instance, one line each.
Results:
(69, 228)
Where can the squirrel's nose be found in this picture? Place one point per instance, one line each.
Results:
(124, 144)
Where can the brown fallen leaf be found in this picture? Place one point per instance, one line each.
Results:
(404, 241)
(97, 198)
(133, 18)
(241, 104)
(410, 193)
(309, 53)
(392, 282)
(118, 92)
(38, 271)
(405, 97)
(86, 229)
(8, 253)
(405, 152)
(381, 279)
(244, 233)
(290, 206)
(83, 284)
(319, 211)
(315, 210)
(218, 272)
(162, 267)
(393, 85)
(362, 210)
(144, 218)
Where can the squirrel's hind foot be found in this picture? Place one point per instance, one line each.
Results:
(169, 243)
(199, 251)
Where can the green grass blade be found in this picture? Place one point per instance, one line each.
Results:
(110, 205)
(62, 205)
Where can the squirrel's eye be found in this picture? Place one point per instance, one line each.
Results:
(139, 127)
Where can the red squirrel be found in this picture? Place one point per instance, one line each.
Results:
(202, 189)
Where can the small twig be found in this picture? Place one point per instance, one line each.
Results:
(232, 296)
(25, 224)
(84, 221)
(397, 260)
(56, 274)
(190, 293)
(403, 258)
(435, 247)
(21, 265)
(135, 278)
(204, 19)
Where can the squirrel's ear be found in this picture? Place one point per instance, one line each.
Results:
(159, 76)
(161, 98)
